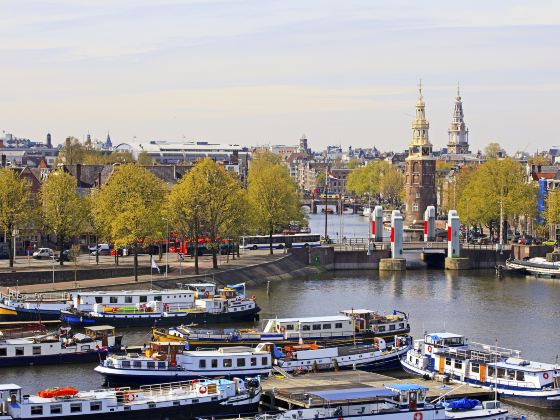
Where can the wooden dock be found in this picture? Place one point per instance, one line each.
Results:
(285, 391)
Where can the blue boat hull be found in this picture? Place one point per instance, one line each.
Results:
(30, 315)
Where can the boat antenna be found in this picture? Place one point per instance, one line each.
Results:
(496, 373)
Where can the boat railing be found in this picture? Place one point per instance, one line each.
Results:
(497, 351)
(15, 294)
(518, 384)
(161, 389)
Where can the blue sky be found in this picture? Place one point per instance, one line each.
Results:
(264, 72)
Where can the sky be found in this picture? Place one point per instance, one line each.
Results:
(265, 72)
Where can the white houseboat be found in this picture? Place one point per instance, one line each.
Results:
(362, 325)
(200, 303)
(515, 379)
(16, 306)
(169, 361)
(180, 400)
(400, 401)
(61, 347)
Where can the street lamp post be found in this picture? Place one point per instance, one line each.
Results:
(167, 247)
(53, 261)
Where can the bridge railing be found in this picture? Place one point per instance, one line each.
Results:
(362, 243)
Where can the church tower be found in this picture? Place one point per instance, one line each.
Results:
(420, 168)
(458, 133)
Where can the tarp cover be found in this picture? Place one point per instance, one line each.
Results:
(462, 404)
(353, 394)
(407, 387)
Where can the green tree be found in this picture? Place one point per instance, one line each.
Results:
(541, 160)
(129, 206)
(378, 178)
(63, 209)
(353, 164)
(391, 186)
(15, 207)
(552, 214)
(144, 159)
(493, 150)
(72, 152)
(272, 196)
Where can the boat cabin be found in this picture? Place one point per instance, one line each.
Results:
(226, 358)
(101, 333)
(10, 394)
(202, 290)
(368, 320)
(88, 301)
(523, 373)
(316, 327)
(443, 341)
(411, 396)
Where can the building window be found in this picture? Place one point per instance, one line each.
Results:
(414, 206)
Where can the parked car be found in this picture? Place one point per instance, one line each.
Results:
(526, 240)
(102, 249)
(65, 255)
(43, 253)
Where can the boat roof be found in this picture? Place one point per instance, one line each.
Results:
(200, 284)
(99, 328)
(407, 387)
(528, 366)
(358, 311)
(9, 387)
(313, 319)
(443, 336)
(353, 394)
(132, 292)
(241, 351)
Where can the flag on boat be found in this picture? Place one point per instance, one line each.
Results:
(239, 287)
(154, 265)
(331, 176)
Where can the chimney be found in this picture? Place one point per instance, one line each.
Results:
(79, 174)
(235, 157)
(3, 161)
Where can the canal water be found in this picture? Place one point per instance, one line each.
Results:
(521, 313)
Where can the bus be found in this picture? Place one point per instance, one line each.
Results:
(299, 240)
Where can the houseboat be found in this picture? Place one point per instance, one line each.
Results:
(200, 303)
(537, 266)
(16, 306)
(170, 361)
(62, 346)
(401, 401)
(311, 357)
(362, 325)
(178, 400)
(517, 380)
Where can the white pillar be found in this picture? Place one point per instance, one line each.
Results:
(377, 224)
(429, 224)
(396, 234)
(453, 227)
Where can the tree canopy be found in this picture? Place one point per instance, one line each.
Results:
(15, 208)
(63, 209)
(272, 196)
(378, 178)
(493, 150)
(129, 207)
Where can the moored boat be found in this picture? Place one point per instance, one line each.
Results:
(62, 346)
(537, 266)
(198, 303)
(514, 379)
(361, 325)
(179, 400)
(170, 361)
(311, 357)
(16, 306)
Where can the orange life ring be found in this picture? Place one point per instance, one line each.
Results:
(254, 297)
(429, 349)
(206, 294)
(202, 389)
(417, 416)
(130, 397)
(545, 375)
(282, 328)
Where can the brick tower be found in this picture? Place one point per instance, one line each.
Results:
(458, 133)
(420, 170)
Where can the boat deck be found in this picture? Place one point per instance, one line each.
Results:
(289, 390)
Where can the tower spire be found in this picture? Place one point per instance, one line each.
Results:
(458, 91)
(458, 132)
(420, 88)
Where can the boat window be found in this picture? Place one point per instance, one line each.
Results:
(392, 327)
(475, 368)
(520, 375)
(290, 327)
(501, 372)
(265, 361)
(401, 325)
(76, 407)
(202, 363)
(113, 299)
(56, 409)
(326, 326)
(85, 348)
(143, 299)
(316, 327)
(36, 410)
(125, 364)
(458, 364)
(253, 361)
(3, 352)
(214, 363)
(511, 374)
(491, 371)
(338, 325)
(137, 364)
(305, 328)
(128, 299)
(382, 328)
(241, 362)
(157, 298)
(227, 363)
(448, 361)
(161, 365)
(151, 365)
(19, 351)
(98, 299)
(95, 406)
